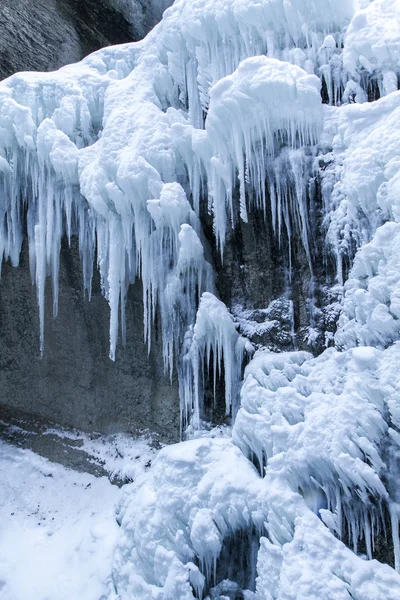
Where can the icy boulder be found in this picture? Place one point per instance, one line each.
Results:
(317, 565)
(174, 521)
(325, 434)
(219, 34)
(362, 193)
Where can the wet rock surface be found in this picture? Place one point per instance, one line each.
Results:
(75, 383)
(120, 458)
(278, 296)
(20, 429)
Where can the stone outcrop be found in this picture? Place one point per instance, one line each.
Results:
(46, 34)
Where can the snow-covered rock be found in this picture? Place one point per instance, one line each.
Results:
(319, 429)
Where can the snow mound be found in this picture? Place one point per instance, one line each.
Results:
(57, 529)
(327, 453)
(193, 487)
(293, 404)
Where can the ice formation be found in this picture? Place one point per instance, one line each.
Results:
(372, 45)
(125, 122)
(219, 111)
(104, 148)
(214, 347)
(282, 104)
(371, 310)
(360, 173)
(212, 497)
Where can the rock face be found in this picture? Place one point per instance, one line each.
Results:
(47, 34)
(75, 383)
(274, 299)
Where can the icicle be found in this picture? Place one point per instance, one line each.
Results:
(394, 510)
(216, 333)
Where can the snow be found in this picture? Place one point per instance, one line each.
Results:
(57, 530)
(123, 457)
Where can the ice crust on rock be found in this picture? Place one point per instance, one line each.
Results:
(371, 309)
(316, 565)
(359, 176)
(298, 504)
(142, 14)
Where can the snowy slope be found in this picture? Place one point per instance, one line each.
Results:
(57, 530)
(220, 110)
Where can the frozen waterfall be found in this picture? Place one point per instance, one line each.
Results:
(226, 109)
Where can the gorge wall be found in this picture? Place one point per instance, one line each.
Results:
(273, 288)
(75, 383)
(47, 34)
(235, 163)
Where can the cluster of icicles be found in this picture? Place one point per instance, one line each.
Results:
(129, 175)
(129, 147)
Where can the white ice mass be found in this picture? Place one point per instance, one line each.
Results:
(220, 111)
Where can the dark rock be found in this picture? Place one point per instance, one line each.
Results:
(46, 34)
(75, 383)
